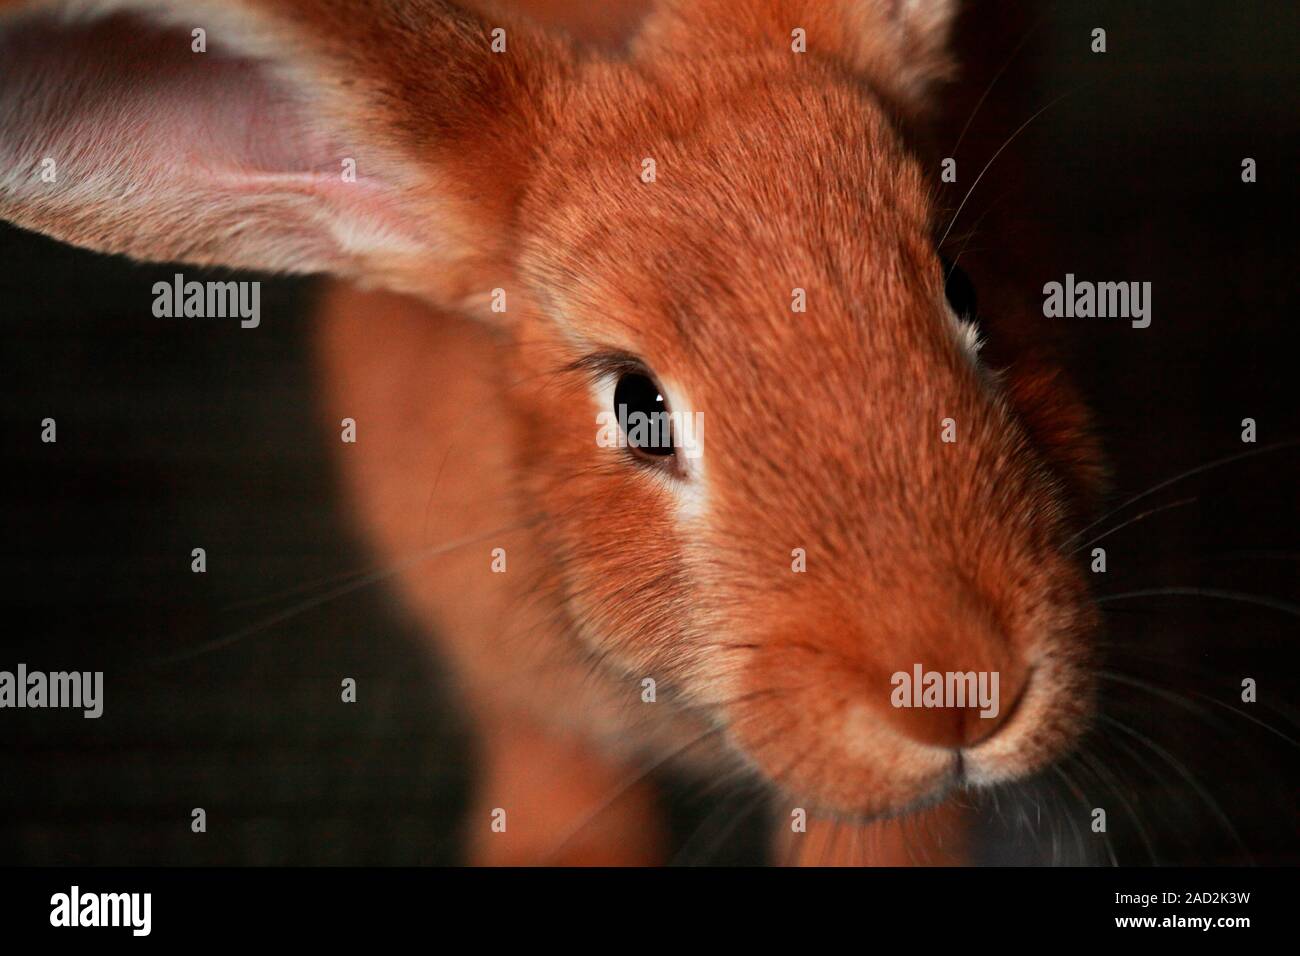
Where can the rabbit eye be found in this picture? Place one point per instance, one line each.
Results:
(643, 415)
(959, 289)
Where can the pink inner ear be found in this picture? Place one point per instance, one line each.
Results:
(168, 154)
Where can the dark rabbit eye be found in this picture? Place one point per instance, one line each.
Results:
(643, 415)
(959, 289)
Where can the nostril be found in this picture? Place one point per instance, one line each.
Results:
(959, 708)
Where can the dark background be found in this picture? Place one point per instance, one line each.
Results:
(175, 434)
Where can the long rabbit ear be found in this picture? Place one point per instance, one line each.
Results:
(378, 140)
(898, 46)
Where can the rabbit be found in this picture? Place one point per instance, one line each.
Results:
(724, 222)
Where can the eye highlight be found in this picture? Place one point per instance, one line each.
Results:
(959, 289)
